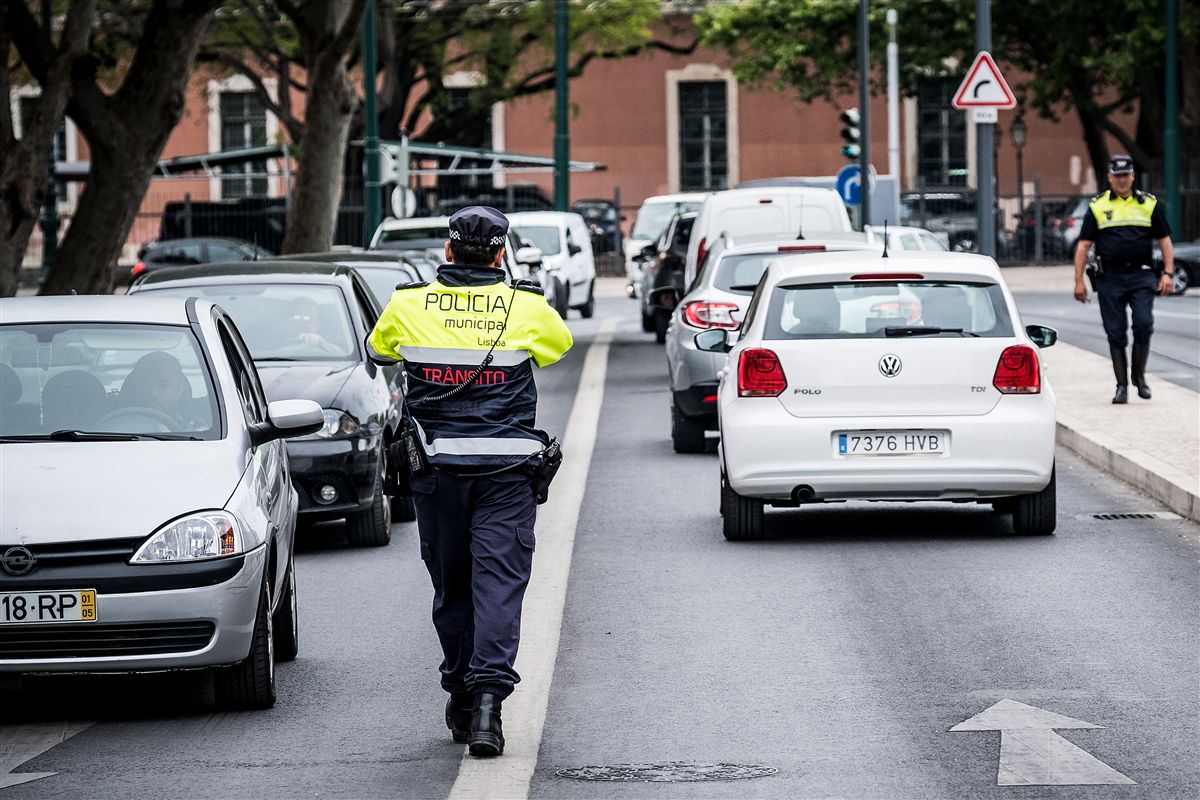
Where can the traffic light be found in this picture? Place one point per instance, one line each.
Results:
(851, 133)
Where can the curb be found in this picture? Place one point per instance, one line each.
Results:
(1141, 470)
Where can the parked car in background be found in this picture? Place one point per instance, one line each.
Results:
(305, 325)
(907, 379)
(147, 491)
(1071, 223)
(604, 223)
(903, 237)
(718, 300)
(566, 247)
(1187, 265)
(1058, 221)
(796, 211)
(950, 214)
(160, 253)
(522, 261)
(648, 226)
(662, 275)
(383, 270)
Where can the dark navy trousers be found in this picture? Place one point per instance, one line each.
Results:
(1135, 289)
(477, 542)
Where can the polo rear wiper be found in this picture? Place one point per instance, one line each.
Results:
(922, 330)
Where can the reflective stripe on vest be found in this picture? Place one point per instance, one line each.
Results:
(461, 356)
(484, 447)
(1111, 211)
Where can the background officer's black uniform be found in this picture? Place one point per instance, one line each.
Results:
(1124, 231)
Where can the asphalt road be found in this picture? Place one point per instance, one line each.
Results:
(1174, 348)
(837, 654)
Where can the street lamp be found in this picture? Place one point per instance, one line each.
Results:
(1018, 131)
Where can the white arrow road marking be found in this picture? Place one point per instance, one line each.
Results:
(541, 622)
(20, 743)
(1031, 753)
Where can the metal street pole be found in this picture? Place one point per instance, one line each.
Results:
(893, 71)
(562, 140)
(985, 191)
(371, 189)
(1171, 130)
(864, 105)
(49, 220)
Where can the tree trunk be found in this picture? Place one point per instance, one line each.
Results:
(330, 103)
(126, 132)
(1093, 137)
(24, 163)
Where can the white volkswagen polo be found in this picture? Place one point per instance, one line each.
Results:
(867, 378)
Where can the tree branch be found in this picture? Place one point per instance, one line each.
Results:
(343, 38)
(32, 44)
(294, 127)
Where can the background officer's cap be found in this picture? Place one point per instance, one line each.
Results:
(1120, 165)
(478, 225)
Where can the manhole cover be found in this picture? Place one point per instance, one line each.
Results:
(674, 772)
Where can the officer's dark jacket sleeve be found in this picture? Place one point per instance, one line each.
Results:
(1158, 222)
(1088, 229)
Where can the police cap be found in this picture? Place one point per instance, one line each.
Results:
(1120, 165)
(478, 225)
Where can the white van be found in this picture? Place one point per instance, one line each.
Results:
(566, 246)
(795, 210)
(652, 219)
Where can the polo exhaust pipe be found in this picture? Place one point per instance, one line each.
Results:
(803, 494)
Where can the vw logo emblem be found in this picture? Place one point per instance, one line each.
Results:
(890, 366)
(17, 561)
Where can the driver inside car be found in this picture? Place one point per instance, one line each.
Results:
(305, 323)
(157, 383)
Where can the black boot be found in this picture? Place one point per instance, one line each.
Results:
(486, 737)
(1141, 352)
(458, 716)
(1121, 371)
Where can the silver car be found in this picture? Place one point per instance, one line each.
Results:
(718, 298)
(148, 514)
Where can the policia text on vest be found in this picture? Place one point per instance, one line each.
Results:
(468, 343)
(1124, 225)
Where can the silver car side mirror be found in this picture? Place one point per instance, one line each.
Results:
(287, 419)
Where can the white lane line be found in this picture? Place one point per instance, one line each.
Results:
(525, 711)
(1032, 754)
(20, 743)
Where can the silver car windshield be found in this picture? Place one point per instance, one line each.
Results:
(284, 321)
(652, 219)
(77, 381)
(879, 309)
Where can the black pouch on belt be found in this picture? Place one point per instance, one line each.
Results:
(545, 469)
(412, 452)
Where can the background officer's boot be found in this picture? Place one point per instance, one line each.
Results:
(1141, 352)
(486, 736)
(458, 716)
(1121, 371)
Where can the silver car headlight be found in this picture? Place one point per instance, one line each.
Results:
(338, 425)
(197, 537)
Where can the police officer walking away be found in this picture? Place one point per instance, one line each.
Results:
(1124, 224)
(468, 342)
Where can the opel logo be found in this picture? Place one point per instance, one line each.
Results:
(890, 366)
(17, 561)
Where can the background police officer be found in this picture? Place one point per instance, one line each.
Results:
(468, 342)
(1124, 224)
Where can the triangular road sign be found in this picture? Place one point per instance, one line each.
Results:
(984, 86)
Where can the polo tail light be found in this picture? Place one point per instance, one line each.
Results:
(1017, 371)
(710, 315)
(760, 374)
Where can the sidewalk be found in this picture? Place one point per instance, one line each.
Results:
(1153, 445)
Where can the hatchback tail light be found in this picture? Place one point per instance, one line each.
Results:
(710, 315)
(701, 251)
(760, 374)
(1017, 371)
(138, 269)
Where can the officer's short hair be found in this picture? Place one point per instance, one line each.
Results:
(479, 254)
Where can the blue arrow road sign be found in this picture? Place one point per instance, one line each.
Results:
(849, 184)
